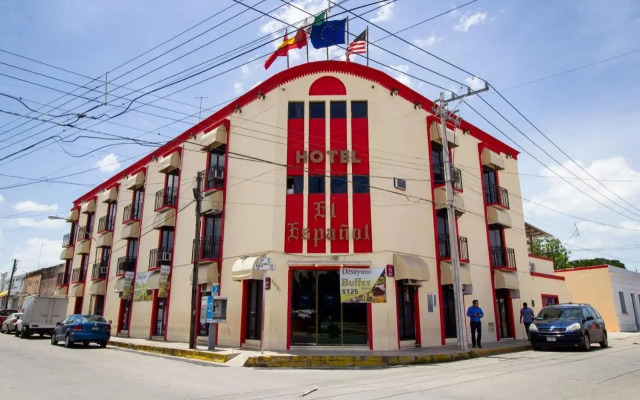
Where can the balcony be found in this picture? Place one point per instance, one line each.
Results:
(106, 223)
(159, 256)
(213, 178)
(496, 195)
(78, 275)
(209, 248)
(444, 248)
(167, 197)
(438, 176)
(503, 257)
(83, 233)
(68, 240)
(99, 270)
(126, 264)
(132, 212)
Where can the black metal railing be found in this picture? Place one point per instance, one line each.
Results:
(132, 212)
(438, 175)
(126, 264)
(78, 275)
(83, 233)
(494, 194)
(99, 270)
(209, 248)
(160, 256)
(444, 248)
(106, 223)
(214, 178)
(67, 240)
(166, 197)
(503, 257)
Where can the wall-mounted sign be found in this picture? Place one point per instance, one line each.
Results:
(140, 292)
(127, 289)
(163, 284)
(363, 285)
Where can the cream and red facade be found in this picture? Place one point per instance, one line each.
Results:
(301, 169)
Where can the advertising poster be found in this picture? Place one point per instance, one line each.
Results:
(140, 292)
(163, 285)
(363, 285)
(127, 290)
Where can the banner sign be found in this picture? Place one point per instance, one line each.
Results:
(127, 290)
(363, 285)
(163, 285)
(140, 292)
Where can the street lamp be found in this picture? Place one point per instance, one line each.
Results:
(56, 217)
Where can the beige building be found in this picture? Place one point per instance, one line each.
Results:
(613, 291)
(332, 170)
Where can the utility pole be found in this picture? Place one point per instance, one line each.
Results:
(197, 194)
(200, 112)
(13, 271)
(443, 113)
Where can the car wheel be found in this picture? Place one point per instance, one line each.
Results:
(536, 347)
(16, 332)
(85, 344)
(103, 344)
(2, 330)
(605, 340)
(67, 342)
(586, 342)
(53, 340)
(24, 334)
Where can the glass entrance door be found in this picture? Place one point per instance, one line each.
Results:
(449, 311)
(253, 330)
(161, 316)
(317, 315)
(124, 315)
(502, 301)
(406, 311)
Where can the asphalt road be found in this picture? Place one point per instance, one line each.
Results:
(33, 369)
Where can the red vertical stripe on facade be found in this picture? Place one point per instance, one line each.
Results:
(340, 223)
(362, 243)
(317, 137)
(360, 145)
(294, 202)
(316, 222)
(338, 142)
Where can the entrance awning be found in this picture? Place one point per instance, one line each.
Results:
(77, 290)
(410, 267)
(207, 273)
(98, 288)
(446, 274)
(244, 268)
(505, 280)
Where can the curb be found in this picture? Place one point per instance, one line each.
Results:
(321, 361)
(189, 354)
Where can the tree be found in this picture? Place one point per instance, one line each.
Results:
(551, 248)
(587, 262)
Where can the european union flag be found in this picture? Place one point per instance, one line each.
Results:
(328, 33)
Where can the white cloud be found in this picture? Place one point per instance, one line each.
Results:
(108, 163)
(475, 83)
(292, 15)
(400, 76)
(238, 87)
(467, 21)
(34, 223)
(429, 41)
(385, 13)
(1, 198)
(36, 251)
(31, 206)
(245, 70)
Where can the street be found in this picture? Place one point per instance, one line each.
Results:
(33, 369)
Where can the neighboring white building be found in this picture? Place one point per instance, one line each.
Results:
(613, 291)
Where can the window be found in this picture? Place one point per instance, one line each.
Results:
(296, 110)
(138, 198)
(295, 184)
(360, 183)
(358, 109)
(106, 253)
(132, 249)
(90, 218)
(212, 233)
(339, 184)
(437, 162)
(166, 240)
(215, 173)
(623, 306)
(316, 110)
(592, 313)
(338, 109)
(316, 184)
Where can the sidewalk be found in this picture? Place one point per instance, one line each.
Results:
(319, 357)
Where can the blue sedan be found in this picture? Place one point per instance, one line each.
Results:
(82, 328)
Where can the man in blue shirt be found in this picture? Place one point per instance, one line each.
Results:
(475, 314)
(526, 317)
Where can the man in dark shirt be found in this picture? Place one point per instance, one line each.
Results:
(526, 317)
(475, 314)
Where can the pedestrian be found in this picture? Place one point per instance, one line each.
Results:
(526, 317)
(475, 314)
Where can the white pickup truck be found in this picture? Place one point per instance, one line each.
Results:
(40, 314)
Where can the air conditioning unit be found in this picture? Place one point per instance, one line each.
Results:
(165, 256)
(103, 270)
(399, 183)
(532, 267)
(411, 282)
(218, 173)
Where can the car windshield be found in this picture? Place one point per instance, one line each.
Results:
(559, 313)
(91, 318)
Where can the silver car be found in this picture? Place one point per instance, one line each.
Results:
(9, 324)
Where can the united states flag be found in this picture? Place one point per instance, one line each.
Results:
(359, 45)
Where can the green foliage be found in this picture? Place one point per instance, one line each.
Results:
(588, 262)
(551, 248)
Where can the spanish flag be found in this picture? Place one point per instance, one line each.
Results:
(296, 42)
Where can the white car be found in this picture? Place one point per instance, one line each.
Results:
(9, 324)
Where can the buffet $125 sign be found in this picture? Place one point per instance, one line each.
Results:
(363, 285)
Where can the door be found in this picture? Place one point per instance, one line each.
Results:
(449, 311)
(406, 311)
(498, 258)
(125, 311)
(253, 311)
(590, 325)
(160, 317)
(635, 311)
(502, 303)
(77, 308)
(98, 307)
(328, 308)
(598, 325)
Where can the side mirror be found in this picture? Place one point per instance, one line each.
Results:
(589, 318)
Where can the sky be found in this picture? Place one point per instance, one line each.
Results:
(570, 68)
